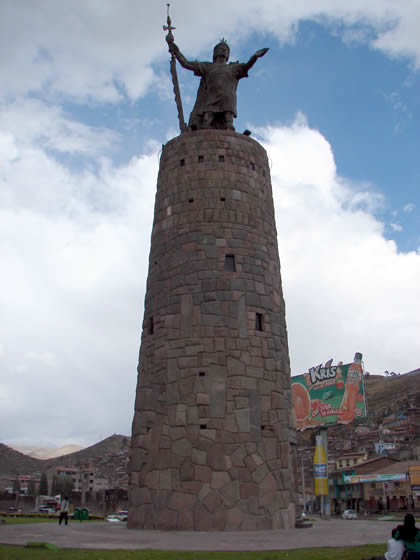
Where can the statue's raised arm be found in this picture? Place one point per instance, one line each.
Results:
(174, 49)
(255, 57)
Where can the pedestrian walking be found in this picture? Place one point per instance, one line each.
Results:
(64, 510)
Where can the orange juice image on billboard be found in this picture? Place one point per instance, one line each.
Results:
(301, 401)
(351, 391)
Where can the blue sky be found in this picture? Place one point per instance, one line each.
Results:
(85, 106)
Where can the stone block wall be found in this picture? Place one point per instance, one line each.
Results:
(213, 424)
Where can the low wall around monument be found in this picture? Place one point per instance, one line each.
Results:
(213, 424)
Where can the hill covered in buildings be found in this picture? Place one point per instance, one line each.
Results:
(393, 406)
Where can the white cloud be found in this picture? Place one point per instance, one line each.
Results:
(73, 294)
(396, 227)
(103, 51)
(347, 288)
(73, 270)
(32, 121)
(409, 207)
(74, 241)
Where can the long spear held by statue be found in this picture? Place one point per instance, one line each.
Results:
(169, 40)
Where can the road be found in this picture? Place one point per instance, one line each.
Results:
(105, 535)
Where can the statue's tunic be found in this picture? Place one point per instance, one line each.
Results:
(217, 91)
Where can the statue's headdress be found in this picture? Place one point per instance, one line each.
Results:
(222, 46)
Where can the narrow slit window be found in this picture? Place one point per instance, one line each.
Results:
(200, 159)
(252, 165)
(181, 162)
(203, 426)
(202, 374)
(259, 322)
(223, 199)
(190, 200)
(221, 159)
(230, 263)
(151, 325)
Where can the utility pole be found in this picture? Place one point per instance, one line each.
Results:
(303, 483)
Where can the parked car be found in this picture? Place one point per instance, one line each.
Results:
(122, 514)
(113, 518)
(349, 514)
(46, 509)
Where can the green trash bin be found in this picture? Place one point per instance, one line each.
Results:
(76, 514)
(84, 514)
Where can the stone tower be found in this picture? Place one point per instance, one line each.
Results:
(213, 428)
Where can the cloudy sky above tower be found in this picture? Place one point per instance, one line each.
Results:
(85, 104)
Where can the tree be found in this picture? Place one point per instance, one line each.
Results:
(31, 487)
(54, 485)
(16, 485)
(43, 486)
(64, 485)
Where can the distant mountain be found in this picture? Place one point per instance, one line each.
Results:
(46, 452)
(113, 444)
(12, 461)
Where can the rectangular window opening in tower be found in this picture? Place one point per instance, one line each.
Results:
(151, 325)
(230, 263)
(181, 162)
(221, 159)
(259, 323)
(200, 159)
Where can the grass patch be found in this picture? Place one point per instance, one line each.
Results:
(46, 545)
(342, 553)
(24, 520)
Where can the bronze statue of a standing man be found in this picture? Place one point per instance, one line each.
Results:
(215, 106)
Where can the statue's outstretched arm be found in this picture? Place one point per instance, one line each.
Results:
(255, 57)
(174, 49)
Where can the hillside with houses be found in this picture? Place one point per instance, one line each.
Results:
(387, 440)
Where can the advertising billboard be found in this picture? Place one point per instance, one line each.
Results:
(360, 478)
(329, 395)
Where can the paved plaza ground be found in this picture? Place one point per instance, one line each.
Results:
(105, 535)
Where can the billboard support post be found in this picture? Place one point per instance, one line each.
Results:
(303, 484)
(324, 440)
